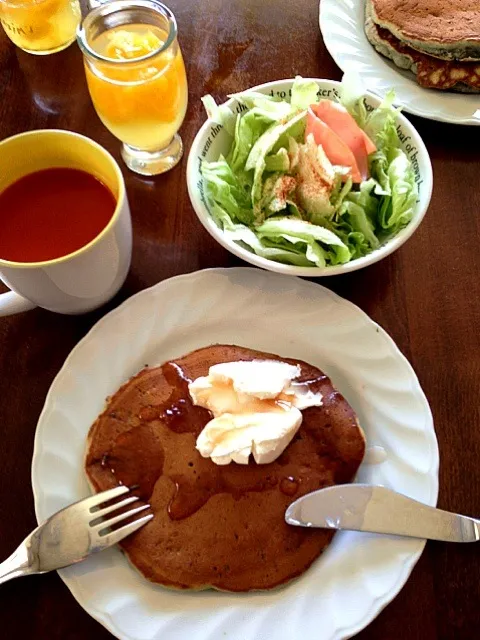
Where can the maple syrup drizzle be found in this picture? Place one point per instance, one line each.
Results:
(132, 446)
(190, 495)
(137, 456)
(178, 412)
(289, 485)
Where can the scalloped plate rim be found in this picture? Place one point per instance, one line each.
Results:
(341, 60)
(377, 603)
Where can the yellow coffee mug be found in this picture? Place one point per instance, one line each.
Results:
(88, 277)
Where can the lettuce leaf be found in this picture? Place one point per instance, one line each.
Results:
(351, 98)
(404, 193)
(267, 106)
(296, 231)
(278, 192)
(223, 188)
(278, 161)
(359, 221)
(304, 93)
(340, 192)
(355, 240)
(273, 139)
(281, 252)
(393, 174)
(379, 120)
(221, 114)
(316, 180)
(249, 127)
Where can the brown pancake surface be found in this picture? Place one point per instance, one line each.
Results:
(430, 22)
(218, 526)
(431, 72)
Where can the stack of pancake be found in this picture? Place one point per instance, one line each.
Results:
(438, 40)
(218, 526)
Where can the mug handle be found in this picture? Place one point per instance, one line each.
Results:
(11, 303)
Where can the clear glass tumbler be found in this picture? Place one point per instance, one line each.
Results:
(137, 80)
(40, 26)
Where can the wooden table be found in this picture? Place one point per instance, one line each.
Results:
(426, 296)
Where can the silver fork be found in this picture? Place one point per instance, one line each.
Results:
(73, 533)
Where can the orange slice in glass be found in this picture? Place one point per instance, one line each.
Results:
(127, 45)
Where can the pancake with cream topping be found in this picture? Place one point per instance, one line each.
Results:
(218, 526)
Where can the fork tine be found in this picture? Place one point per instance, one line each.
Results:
(100, 513)
(122, 516)
(105, 496)
(122, 532)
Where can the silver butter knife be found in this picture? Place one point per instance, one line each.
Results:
(362, 507)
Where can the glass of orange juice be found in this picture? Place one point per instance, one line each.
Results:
(40, 26)
(137, 81)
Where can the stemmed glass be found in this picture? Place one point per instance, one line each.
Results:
(137, 80)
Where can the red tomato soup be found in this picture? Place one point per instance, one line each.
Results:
(52, 213)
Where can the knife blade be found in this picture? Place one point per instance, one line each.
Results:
(376, 509)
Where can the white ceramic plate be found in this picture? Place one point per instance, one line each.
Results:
(341, 24)
(360, 573)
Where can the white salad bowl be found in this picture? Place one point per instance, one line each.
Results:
(212, 140)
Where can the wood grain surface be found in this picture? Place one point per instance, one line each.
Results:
(426, 296)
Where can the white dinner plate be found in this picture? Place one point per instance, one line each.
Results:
(341, 24)
(359, 573)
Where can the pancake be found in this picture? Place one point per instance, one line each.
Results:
(430, 72)
(447, 29)
(216, 526)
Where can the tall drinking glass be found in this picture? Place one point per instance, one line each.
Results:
(137, 81)
(40, 26)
